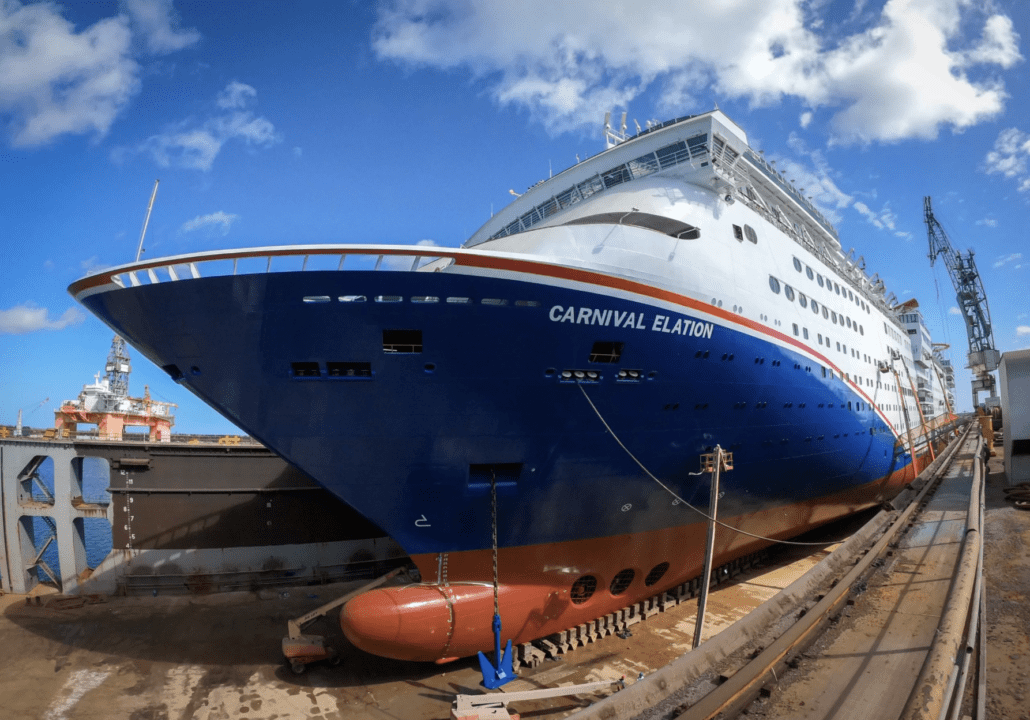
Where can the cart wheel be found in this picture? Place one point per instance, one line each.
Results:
(298, 667)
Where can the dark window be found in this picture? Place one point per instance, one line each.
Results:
(583, 589)
(738, 232)
(605, 352)
(808, 272)
(819, 279)
(774, 284)
(482, 474)
(616, 177)
(815, 307)
(349, 369)
(656, 574)
(797, 264)
(749, 232)
(305, 369)
(657, 223)
(621, 581)
(802, 299)
(402, 341)
(789, 292)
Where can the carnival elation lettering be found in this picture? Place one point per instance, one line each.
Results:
(630, 319)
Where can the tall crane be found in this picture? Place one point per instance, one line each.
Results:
(972, 301)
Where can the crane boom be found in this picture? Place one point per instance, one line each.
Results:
(972, 302)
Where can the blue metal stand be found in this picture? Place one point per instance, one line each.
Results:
(494, 677)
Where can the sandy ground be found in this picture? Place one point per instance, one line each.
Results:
(1007, 583)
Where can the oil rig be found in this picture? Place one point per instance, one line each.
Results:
(106, 404)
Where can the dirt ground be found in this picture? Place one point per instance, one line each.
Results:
(1007, 584)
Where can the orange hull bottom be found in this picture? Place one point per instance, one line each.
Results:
(450, 616)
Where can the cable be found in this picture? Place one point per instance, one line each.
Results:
(669, 490)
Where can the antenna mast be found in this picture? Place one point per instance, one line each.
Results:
(146, 221)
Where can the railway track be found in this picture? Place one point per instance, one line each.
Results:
(884, 627)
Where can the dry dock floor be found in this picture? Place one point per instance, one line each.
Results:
(216, 657)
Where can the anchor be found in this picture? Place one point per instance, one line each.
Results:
(503, 672)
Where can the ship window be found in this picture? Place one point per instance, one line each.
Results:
(389, 299)
(795, 328)
(348, 369)
(836, 288)
(738, 232)
(833, 315)
(789, 292)
(819, 279)
(838, 347)
(605, 352)
(425, 299)
(815, 307)
(802, 300)
(861, 330)
(494, 301)
(527, 303)
(316, 298)
(820, 338)
(797, 264)
(809, 273)
(672, 154)
(774, 284)
(804, 331)
(749, 233)
(458, 300)
(656, 574)
(621, 581)
(648, 221)
(849, 322)
(616, 177)
(850, 295)
(826, 313)
(483, 474)
(352, 298)
(305, 369)
(402, 341)
(583, 589)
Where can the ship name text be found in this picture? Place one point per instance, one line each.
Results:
(630, 319)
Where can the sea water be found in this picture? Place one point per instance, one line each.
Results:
(95, 481)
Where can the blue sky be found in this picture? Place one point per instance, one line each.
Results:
(410, 120)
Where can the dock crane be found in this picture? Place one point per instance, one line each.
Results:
(984, 357)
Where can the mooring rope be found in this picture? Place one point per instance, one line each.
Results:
(669, 490)
(493, 517)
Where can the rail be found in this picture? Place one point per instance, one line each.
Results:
(807, 602)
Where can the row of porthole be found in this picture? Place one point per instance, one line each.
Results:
(417, 299)
(831, 315)
(831, 285)
(585, 587)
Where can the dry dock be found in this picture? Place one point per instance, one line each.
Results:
(218, 656)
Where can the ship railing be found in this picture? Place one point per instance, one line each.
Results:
(401, 258)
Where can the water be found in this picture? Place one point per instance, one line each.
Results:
(95, 480)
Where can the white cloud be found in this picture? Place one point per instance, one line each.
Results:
(55, 80)
(884, 219)
(805, 119)
(1009, 157)
(26, 318)
(155, 20)
(1006, 259)
(954, 311)
(904, 73)
(988, 221)
(189, 145)
(1023, 330)
(216, 220)
(236, 95)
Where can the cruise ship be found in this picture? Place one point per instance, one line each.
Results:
(546, 391)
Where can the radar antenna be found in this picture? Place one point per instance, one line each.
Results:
(972, 301)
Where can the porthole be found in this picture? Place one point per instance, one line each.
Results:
(802, 299)
(819, 279)
(849, 322)
(797, 264)
(621, 581)
(833, 316)
(789, 292)
(826, 313)
(836, 288)
(809, 273)
(749, 232)
(656, 574)
(583, 589)
(774, 285)
(815, 307)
